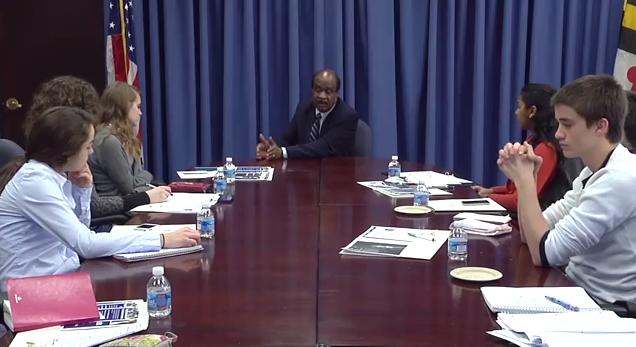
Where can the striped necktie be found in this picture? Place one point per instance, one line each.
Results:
(315, 129)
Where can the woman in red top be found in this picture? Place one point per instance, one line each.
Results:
(535, 114)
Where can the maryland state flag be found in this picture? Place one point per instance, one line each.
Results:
(625, 65)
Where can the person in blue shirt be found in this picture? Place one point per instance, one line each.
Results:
(45, 204)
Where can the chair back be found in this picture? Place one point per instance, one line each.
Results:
(364, 140)
(9, 150)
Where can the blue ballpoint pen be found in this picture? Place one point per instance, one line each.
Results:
(563, 303)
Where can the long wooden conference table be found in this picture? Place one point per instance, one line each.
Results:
(273, 275)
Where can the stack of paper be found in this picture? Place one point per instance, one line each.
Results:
(117, 319)
(433, 179)
(404, 191)
(490, 218)
(571, 318)
(553, 329)
(243, 173)
(473, 223)
(179, 203)
(397, 242)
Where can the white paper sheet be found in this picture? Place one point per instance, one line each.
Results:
(452, 205)
(554, 339)
(40, 338)
(158, 229)
(179, 203)
(191, 175)
(580, 322)
(378, 239)
(515, 338)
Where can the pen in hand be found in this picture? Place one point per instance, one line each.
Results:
(154, 186)
(563, 304)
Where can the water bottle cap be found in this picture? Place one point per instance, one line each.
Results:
(395, 157)
(458, 224)
(228, 159)
(220, 168)
(205, 204)
(157, 271)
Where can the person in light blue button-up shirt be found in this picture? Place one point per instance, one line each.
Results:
(45, 213)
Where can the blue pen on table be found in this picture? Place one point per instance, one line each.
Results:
(563, 304)
(154, 186)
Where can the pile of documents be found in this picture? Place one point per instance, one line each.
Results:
(580, 329)
(399, 191)
(243, 173)
(556, 317)
(433, 179)
(117, 319)
(482, 224)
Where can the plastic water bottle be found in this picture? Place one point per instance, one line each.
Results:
(421, 195)
(457, 243)
(220, 183)
(394, 167)
(229, 170)
(159, 294)
(206, 222)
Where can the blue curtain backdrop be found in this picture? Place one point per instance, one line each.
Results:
(437, 80)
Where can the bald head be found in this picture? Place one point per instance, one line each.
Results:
(325, 87)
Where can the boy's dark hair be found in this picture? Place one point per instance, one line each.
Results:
(630, 119)
(595, 97)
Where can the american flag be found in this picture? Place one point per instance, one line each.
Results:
(121, 58)
(625, 64)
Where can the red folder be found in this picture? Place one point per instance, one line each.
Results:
(43, 301)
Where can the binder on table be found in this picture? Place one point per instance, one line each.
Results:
(44, 301)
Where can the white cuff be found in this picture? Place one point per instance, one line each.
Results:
(284, 152)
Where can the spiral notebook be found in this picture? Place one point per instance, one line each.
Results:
(164, 253)
(533, 299)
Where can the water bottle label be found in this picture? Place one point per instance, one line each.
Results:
(221, 186)
(207, 226)
(458, 246)
(230, 173)
(420, 199)
(159, 301)
(394, 171)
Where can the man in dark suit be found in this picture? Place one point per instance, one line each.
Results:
(324, 126)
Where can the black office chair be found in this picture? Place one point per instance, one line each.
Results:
(9, 150)
(364, 140)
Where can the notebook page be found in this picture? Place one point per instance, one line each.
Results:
(167, 228)
(532, 299)
(169, 252)
(555, 339)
